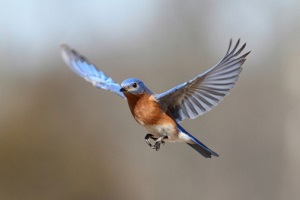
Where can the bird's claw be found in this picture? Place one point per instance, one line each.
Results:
(148, 141)
(157, 144)
(157, 141)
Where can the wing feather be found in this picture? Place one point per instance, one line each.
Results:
(201, 94)
(83, 68)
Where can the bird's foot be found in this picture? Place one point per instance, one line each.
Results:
(158, 142)
(148, 139)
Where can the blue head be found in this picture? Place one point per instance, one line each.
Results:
(134, 86)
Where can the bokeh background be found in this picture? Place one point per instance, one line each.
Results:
(61, 138)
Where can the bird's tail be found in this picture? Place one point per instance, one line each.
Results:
(197, 145)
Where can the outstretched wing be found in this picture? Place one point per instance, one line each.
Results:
(201, 94)
(82, 67)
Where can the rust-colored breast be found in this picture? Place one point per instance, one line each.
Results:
(146, 111)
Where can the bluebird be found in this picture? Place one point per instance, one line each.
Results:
(160, 114)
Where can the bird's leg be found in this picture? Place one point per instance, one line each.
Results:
(158, 142)
(148, 141)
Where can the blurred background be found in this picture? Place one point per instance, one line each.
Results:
(61, 138)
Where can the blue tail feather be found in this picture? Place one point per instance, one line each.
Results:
(198, 146)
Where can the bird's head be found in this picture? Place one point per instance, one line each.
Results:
(134, 86)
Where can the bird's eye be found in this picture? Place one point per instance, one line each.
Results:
(134, 85)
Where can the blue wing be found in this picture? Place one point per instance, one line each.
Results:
(82, 67)
(201, 94)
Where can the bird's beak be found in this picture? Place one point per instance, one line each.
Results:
(123, 89)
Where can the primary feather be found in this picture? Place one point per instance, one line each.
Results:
(201, 94)
(82, 67)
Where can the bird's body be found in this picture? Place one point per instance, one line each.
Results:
(147, 112)
(159, 123)
(160, 114)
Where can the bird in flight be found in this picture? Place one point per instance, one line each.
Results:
(160, 114)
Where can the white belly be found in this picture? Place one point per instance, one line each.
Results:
(163, 130)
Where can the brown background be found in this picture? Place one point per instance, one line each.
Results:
(60, 138)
